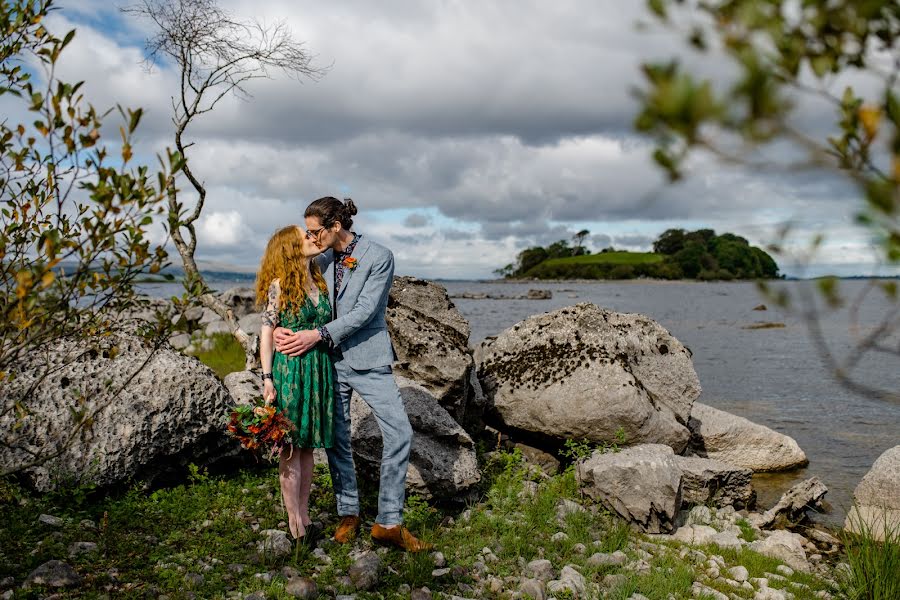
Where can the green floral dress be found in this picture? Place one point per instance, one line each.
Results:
(304, 385)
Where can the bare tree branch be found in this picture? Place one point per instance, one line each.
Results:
(215, 55)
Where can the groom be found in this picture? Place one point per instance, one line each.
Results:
(359, 274)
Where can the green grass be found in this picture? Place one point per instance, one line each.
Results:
(148, 541)
(874, 572)
(607, 258)
(748, 534)
(670, 576)
(224, 356)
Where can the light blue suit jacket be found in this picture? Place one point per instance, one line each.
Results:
(358, 326)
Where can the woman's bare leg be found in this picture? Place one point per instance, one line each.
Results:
(290, 476)
(306, 475)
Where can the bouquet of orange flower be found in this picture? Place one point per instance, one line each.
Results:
(259, 428)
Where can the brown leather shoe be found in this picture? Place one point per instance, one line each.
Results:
(399, 537)
(347, 528)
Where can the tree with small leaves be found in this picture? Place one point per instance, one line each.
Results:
(783, 51)
(73, 235)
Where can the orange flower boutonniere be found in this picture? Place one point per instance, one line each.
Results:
(349, 262)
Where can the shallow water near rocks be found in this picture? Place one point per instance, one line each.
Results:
(772, 376)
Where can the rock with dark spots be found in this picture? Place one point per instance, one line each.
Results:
(442, 461)
(152, 411)
(642, 484)
(241, 300)
(791, 508)
(583, 372)
(244, 386)
(710, 482)
(54, 574)
(877, 498)
(257, 595)
(735, 440)
(431, 339)
(302, 587)
(365, 571)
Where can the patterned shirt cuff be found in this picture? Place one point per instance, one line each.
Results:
(325, 335)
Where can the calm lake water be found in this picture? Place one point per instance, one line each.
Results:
(775, 377)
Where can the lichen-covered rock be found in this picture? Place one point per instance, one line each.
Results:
(149, 411)
(442, 461)
(583, 372)
(877, 498)
(737, 441)
(642, 484)
(431, 339)
(710, 482)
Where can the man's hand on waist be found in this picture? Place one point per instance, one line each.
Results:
(295, 344)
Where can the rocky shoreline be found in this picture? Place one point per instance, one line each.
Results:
(617, 384)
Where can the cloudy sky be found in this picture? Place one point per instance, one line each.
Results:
(465, 131)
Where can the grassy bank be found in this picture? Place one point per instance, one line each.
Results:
(608, 258)
(199, 540)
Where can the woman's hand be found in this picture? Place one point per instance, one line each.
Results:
(269, 391)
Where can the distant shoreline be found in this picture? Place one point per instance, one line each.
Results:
(661, 281)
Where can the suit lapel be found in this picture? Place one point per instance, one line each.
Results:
(328, 274)
(362, 246)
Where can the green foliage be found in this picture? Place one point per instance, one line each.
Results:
(74, 216)
(677, 254)
(224, 355)
(576, 450)
(780, 51)
(748, 534)
(874, 566)
(608, 258)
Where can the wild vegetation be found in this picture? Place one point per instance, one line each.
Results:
(200, 539)
(73, 228)
(677, 254)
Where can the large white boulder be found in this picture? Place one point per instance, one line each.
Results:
(431, 339)
(583, 372)
(738, 441)
(877, 499)
(642, 484)
(149, 410)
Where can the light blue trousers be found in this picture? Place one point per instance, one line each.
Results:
(379, 390)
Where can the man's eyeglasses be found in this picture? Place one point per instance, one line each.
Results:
(314, 234)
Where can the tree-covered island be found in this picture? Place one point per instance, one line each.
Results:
(677, 254)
